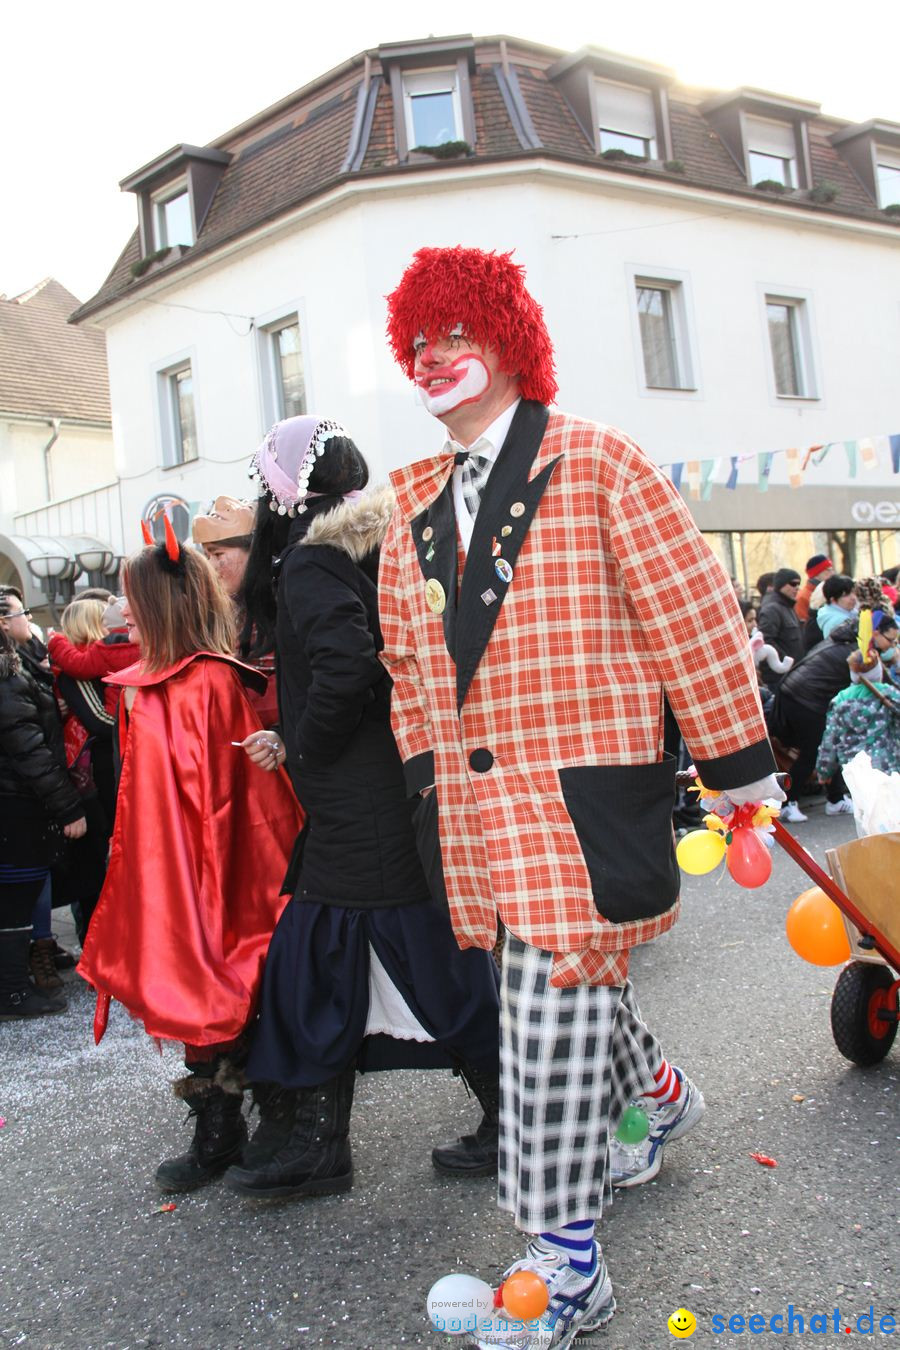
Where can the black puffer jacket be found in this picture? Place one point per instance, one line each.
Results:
(32, 757)
(823, 672)
(334, 710)
(780, 626)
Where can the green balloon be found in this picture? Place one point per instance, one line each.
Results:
(634, 1126)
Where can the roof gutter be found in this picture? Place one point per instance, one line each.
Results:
(55, 423)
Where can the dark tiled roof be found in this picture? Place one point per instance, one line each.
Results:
(297, 151)
(48, 368)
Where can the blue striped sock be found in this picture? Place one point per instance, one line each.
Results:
(576, 1242)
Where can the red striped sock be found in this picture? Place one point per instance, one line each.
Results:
(668, 1085)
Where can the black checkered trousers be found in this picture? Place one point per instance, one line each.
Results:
(571, 1061)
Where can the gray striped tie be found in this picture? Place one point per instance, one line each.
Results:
(474, 477)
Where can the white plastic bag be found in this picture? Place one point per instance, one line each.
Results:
(876, 796)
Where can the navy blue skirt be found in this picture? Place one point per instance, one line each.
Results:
(315, 993)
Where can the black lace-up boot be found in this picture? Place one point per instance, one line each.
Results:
(475, 1155)
(302, 1143)
(220, 1131)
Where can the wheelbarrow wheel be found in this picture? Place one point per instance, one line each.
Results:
(860, 993)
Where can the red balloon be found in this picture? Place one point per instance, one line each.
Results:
(748, 859)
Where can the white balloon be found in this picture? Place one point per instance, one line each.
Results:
(456, 1303)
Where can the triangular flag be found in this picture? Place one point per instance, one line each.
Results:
(794, 467)
(676, 471)
(709, 467)
(764, 461)
(895, 452)
(733, 476)
(693, 477)
(851, 448)
(868, 452)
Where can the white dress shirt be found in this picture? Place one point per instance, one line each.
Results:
(489, 444)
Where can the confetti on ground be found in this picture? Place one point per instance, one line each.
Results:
(2, 1122)
(798, 1097)
(763, 1159)
(165, 1209)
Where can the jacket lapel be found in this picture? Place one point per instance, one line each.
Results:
(434, 535)
(509, 502)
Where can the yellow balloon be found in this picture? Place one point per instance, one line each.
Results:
(700, 851)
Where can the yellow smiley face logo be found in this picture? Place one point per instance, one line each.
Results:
(682, 1323)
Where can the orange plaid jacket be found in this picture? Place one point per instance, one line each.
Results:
(535, 704)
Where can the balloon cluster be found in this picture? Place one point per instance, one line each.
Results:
(742, 835)
(461, 1304)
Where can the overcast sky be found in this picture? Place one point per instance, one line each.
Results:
(90, 91)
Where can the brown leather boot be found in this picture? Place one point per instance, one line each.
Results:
(42, 965)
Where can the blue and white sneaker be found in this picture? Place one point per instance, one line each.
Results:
(633, 1164)
(577, 1305)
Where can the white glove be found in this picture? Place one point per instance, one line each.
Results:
(764, 789)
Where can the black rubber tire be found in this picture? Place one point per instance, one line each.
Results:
(850, 1013)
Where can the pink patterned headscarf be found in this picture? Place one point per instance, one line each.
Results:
(284, 462)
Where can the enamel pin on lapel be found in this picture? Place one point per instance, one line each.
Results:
(496, 548)
(517, 509)
(506, 531)
(435, 598)
(428, 534)
(503, 570)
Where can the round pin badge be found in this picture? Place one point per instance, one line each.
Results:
(503, 570)
(435, 598)
(517, 509)
(427, 533)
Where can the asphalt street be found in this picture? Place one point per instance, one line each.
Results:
(88, 1263)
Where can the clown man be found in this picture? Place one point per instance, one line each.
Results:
(521, 584)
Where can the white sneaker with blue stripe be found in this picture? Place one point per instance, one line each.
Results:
(633, 1164)
(577, 1305)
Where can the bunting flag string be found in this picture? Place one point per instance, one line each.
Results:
(701, 475)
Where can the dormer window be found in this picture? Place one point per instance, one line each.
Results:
(771, 151)
(887, 173)
(172, 217)
(625, 118)
(432, 107)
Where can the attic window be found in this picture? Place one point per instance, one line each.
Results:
(626, 118)
(771, 151)
(432, 107)
(172, 222)
(887, 171)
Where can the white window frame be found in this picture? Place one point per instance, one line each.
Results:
(768, 137)
(158, 202)
(270, 393)
(650, 142)
(170, 436)
(681, 309)
(805, 344)
(443, 80)
(886, 159)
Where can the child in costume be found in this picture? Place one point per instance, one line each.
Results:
(200, 846)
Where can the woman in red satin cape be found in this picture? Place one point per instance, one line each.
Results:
(201, 845)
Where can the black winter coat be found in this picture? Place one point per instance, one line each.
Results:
(780, 626)
(823, 672)
(358, 847)
(32, 756)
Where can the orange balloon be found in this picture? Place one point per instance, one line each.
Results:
(816, 930)
(525, 1295)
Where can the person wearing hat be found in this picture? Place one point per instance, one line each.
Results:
(818, 569)
(520, 585)
(777, 621)
(225, 535)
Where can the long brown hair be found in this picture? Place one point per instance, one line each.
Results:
(177, 612)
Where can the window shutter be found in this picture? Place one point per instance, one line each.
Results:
(771, 138)
(624, 107)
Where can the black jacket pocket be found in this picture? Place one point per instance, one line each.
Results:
(622, 815)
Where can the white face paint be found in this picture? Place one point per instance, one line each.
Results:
(448, 386)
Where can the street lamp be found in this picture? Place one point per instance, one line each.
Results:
(57, 574)
(98, 563)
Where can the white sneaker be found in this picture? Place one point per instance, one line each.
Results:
(633, 1164)
(792, 814)
(576, 1305)
(842, 808)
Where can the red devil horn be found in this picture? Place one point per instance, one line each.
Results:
(173, 548)
(147, 533)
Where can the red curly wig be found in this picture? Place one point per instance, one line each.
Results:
(485, 292)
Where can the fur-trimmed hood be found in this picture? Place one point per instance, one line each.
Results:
(10, 664)
(356, 527)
